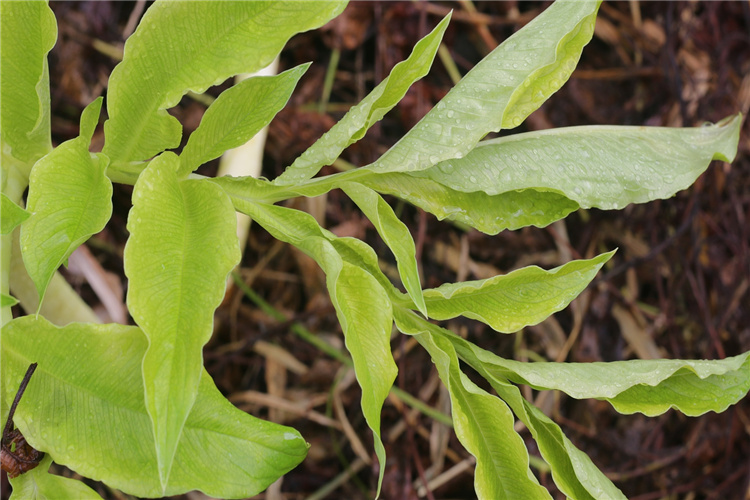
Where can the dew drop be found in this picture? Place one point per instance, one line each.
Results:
(473, 179)
(446, 168)
(516, 120)
(450, 113)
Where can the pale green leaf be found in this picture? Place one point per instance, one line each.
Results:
(572, 470)
(11, 215)
(353, 126)
(594, 166)
(487, 213)
(395, 234)
(182, 246)
(27, 33)
(294, 226)
(237, 115)
(181, 46)
(7, 300)
(70, 198)
(85, 407)
(512, 301)
(38, 484)
(651, 387)
(499, 92)
(362, 305)
(483, 423)
(364, 312)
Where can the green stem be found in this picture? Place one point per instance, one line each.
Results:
(336, 354)
(328, 82)
(13, 185)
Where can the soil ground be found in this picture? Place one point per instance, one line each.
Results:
(677, 287)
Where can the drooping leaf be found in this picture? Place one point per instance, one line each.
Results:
(39, 484)
(499, 92)
(395, 234)
(512, 301)
(182, 246)
(651, 387)
(594, 166)
(85, 407)
(28, 32)
(69, 199)
(11, 215)
(489, 214)
(181, 46)
(237, 115)
(362, 305)
(353, 126)
(572, 470)
(483, 423)
(364, 312)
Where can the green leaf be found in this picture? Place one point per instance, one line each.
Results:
(490, 214)
(182, 246)
(512, 301)
(364, 312)
(395, 234)
(70, 198)
(483, 423)
(572, 470)
(11, 215)
(181, 46)
(27, 33)
(237, 115)
(487, 213)
(353, 126)
(39, 484)
(594, 166)
(362, 304)
(85, 407)
(499, 92)
(7, 300)
(650, 387)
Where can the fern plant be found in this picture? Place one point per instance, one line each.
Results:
(132, 406)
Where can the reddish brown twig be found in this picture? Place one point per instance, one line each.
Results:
(16, 455)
